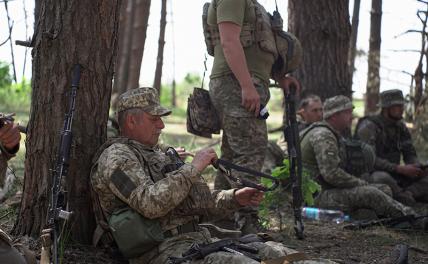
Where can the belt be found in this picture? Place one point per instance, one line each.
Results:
(182, 229)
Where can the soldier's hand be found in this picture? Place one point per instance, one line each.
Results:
(251, 99)
(203, 158)
(288, 81)
(9, 135)
(248, 196)
(409, 170)
(183, 154)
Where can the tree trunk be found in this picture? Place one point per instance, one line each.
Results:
(373, 78)
(68, 32)
(324, 30)
(121, 36)
(353, 42)
(159, 62)
(125, 45)
(139, 29)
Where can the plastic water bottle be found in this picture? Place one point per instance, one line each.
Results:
(335, 216)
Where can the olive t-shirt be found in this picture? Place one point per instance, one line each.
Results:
(240, 12)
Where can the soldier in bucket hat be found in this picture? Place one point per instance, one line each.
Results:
(392, 141)
(324, 156)
(152, 202)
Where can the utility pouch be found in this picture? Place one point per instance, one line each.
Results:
(134, 234)
(202, 118)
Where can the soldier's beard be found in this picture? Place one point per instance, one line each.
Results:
(395, 118)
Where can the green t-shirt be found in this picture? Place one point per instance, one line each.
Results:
(259, 62)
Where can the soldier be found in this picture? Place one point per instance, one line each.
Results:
(9, 146)
(323, 152)
(239, 85)
(156, 199)
(388, 134)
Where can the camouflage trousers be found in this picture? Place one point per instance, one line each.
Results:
(417, 187)
(175, 246)
(244, 139)
(363, 197)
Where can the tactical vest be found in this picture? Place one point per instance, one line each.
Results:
(388, 145)
(199, 199)
(260, 33)
(355, 156)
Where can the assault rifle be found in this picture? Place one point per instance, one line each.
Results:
(57, 200)
(391, 222)
(291, 133)
(238, 247)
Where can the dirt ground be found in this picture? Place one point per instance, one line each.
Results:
(322, 239)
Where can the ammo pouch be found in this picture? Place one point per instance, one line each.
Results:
(134, 234)
(202, 118)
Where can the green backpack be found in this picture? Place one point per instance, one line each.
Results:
(134, 234)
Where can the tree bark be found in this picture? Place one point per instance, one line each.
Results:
(121, 36)
(68, 32)
(353, 41)
(139, 30)
(324, 30)
(373, 78)
(159, 62)
(125, 45)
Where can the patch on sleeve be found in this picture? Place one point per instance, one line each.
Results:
(123, 183)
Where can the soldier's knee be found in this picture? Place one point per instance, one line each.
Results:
(383, 177)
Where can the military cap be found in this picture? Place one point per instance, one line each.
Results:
(336, 104)
(391, 97)
(146, 98)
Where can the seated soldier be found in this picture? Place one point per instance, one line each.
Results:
(310, 111)
(9, 146)
(323, 153)
(131, 175)
(391, 139)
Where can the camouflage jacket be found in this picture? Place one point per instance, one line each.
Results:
(128, 173)
(322, 155)
(391, 139)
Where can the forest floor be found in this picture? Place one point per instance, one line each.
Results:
(322, 239)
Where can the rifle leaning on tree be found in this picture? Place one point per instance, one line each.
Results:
(291, 134)
(51, 234)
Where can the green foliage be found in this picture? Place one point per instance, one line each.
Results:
(16, 96)
(5, 77)
(275, 199)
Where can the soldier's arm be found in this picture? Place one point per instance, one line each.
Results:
(407, 148)
(124, 176)
(368, 131)
(9, 140)
(327, 155)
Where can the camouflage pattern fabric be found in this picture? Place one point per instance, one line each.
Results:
(392, 141)
(341, 190)
(177, 245)
(146, 98)
(244, 140)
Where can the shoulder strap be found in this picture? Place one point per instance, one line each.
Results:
(314, 125)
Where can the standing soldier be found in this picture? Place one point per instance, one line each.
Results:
(245, 47)
(388, 134)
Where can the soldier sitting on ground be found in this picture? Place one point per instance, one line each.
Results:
(323, 155)
(391, 139)
(9, 146)
(151, 201)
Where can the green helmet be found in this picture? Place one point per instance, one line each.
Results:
(289, 53)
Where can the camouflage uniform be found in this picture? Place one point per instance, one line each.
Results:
(5, 155)
(128, 173)
(322, 156)
(392, 140)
